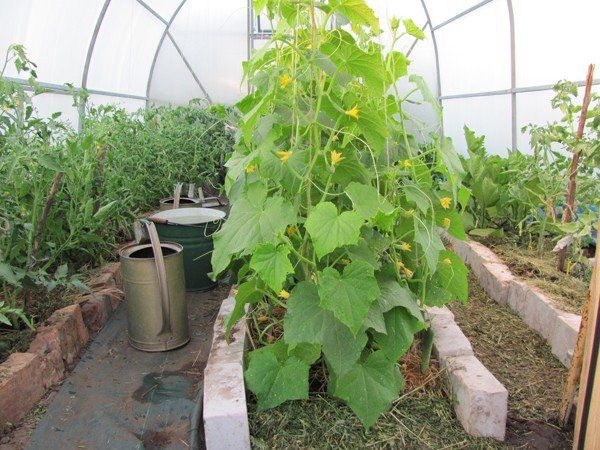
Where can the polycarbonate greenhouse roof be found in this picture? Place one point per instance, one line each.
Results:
(491, 63)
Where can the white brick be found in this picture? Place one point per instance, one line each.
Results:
(482, 401)
(448, 339)
(435, 311)
(225, 412)
(539, 313)
(564, 336)
(517, 293)
(495, 279)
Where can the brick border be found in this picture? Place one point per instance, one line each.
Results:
(225, 412)
(481, 400)
(559, 328)
(25, 377)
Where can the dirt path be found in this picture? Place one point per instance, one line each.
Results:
(523, 362)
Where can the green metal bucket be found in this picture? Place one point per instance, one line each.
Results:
(193, 229)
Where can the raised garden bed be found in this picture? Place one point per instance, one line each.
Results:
(559, 328)
(480, 399)
(26, 376)
(522, 361)
(568, 292)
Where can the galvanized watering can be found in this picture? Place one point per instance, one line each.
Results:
(191, 200)
(154, 284)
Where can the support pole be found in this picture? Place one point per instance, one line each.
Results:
(570, 205)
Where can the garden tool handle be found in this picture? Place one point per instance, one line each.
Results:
(165, 301)
(191, 190)
(177, 195)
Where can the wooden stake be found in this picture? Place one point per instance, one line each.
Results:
(40, 230)
(574, 369)
(570, 205)
(587, 425)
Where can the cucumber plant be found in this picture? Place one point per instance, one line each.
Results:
(334, 230)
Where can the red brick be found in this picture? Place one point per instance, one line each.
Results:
(96, 311)
(61, 338)
(21, 386)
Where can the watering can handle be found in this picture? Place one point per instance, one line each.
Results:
(162, 277)
(177, 195)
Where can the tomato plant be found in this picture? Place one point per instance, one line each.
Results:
(334, 229)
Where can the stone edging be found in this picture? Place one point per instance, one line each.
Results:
(481, 400)
(25, 377)
(225, 412)
(559, 328)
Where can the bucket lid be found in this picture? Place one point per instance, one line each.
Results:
(190, 216)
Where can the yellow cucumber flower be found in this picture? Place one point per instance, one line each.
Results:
(399, 265)
(406, 163)
(446, 222)
(447, 261)
(250, 168)
(291, 230)
(410, 213)
(345, 261)
(284, 155)
(284, 294)
(336, 157)
(408, 272)
(284, 80)
(445, 202)
(353, 112)
(405, 246)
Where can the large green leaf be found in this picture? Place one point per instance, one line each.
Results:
(417, 196)
(372, 125)
(358, 12)
(430, 242)
(247, 293)
(330, 230)
(413, 30)
(274, 377)
(398, 64)
(370, 387)
(425, 92)
(306, 322)
(401, 327)
(272, 264)
(448, 158)
(453, 275)
(394, 294)
(365, 199)
(252, 220)
(348, 295)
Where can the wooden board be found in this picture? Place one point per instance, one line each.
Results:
(587, 425)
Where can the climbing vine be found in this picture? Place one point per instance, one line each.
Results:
(335, 224)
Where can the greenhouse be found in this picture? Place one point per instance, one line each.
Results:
(299, 224)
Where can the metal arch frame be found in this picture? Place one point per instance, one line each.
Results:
(166, 33)
(437, 61)
(88, 59)
(513, 76)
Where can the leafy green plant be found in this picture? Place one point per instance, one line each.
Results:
(119, 165)
(10, 316)
(518, 193)
(333, 233)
